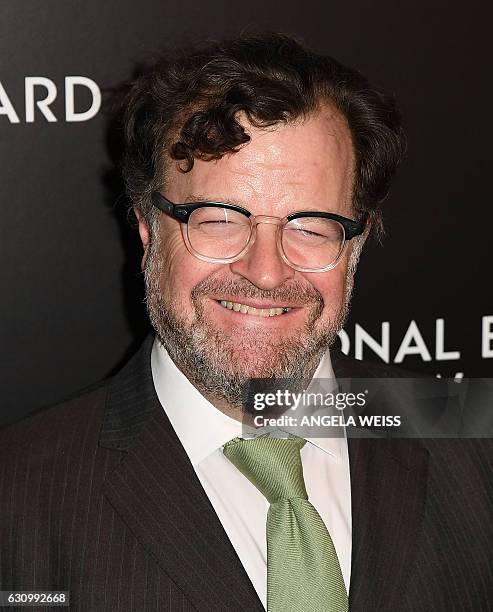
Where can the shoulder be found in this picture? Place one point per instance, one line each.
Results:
(85, 424)
(54, 429)
(51, 459)
(451, 420)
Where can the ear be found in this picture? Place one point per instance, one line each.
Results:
(145, 235)
(357, 245)
(367, 230)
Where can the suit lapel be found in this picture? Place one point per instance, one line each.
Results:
(388, 493)
(156, 492)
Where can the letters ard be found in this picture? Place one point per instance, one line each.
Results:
(41, 92)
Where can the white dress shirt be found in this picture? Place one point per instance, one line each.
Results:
(242, 509)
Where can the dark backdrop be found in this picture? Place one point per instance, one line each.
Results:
(70, 285)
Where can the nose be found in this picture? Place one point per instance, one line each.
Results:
(262, 265)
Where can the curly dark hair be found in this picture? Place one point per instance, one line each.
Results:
(186, 106)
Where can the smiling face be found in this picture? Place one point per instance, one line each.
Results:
(282, 320)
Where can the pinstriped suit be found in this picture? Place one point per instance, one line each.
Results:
(98, 497)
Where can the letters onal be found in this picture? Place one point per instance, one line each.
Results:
(40, 93)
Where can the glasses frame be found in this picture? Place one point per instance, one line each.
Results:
(182, 213)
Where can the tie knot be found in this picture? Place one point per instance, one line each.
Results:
(273, 465)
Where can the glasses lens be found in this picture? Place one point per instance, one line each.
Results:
(313, 242)
(218, 233)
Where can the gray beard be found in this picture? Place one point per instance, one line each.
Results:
(207, 357)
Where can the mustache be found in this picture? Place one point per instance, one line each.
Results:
(294, 293)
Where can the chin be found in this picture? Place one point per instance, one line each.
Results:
(265, 360)
(255, 366)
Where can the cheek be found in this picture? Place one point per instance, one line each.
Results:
(173, 253)
(332, 287)
(180, 270)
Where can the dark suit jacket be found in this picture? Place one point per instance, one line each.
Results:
(98, 497)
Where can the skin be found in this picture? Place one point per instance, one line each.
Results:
(307, 165)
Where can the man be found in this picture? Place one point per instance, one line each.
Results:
(256, 170)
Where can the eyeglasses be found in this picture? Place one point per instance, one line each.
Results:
(308, 241)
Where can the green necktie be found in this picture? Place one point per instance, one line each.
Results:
(303, 571)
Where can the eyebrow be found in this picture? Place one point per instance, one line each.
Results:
(191, 199)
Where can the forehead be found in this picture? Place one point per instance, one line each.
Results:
(303, 165)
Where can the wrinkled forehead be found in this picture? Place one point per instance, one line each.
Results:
(306, 164)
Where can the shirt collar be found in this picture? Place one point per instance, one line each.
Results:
(200, 426)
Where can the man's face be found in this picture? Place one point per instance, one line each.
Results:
(304, 166)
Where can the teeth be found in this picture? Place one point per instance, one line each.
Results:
(259, 312)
